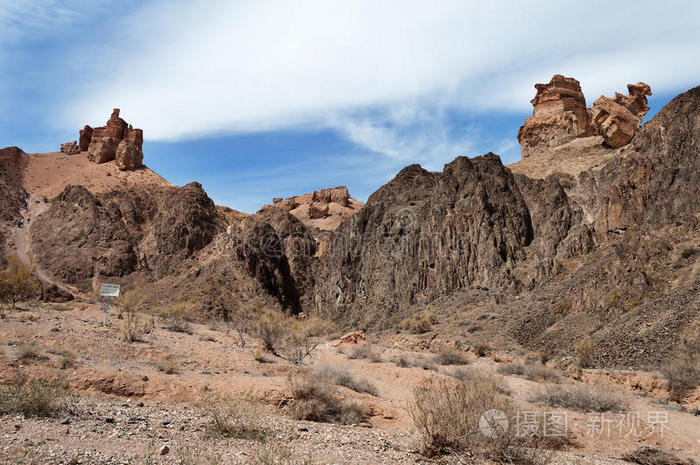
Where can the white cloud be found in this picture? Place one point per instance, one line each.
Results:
(381, 72)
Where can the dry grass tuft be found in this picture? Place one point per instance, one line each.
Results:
(582, 397)
(650, 455)
(39, 397)
(586, 351)
(364, 352)
(451, 357)
(342, 377)
(234, 418)
(539, 373)
(450, 418)
(314, 400)
(683, 370)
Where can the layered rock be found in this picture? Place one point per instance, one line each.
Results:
(560, 116)
(618, 119)
(70, 148)
(324, 209)
(117, 141)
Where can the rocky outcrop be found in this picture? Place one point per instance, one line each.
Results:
(618, 119)
(324, 209)
(85, 138)
(117, 141)
(70, 148)
(560, 116)
(424, 235)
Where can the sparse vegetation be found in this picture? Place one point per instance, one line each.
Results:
(481, 349)
(67, 360)
(17, 282)
(314, 400)
(451, 357)
(229, 418)
(582, 397)
(406, 361)
(449, 416)
(650, 455)
(532, 372)
(342, 377)
(39, 397)
(289, 337)
(683, 370)
(178, 317)
(363, 351)
(169, 368)
(419, 322)
(586, 351)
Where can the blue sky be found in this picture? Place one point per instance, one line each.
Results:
(263, 99)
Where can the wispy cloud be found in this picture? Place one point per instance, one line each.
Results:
(386, 74)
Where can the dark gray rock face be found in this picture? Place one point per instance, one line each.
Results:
(427, 234)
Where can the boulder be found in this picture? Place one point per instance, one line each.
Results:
(337, 195)
(353, 338)
(70, 148)
(128, 156)
(618, 119)
(559, 116)
(318, 210)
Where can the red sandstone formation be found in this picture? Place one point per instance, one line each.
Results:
(560, 116)
(70, 148)
(618, 119)
(323, 209)
(353, 338)
(117, 141)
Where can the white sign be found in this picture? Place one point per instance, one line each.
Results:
(110, 290)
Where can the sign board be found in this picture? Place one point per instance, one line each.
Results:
(110, 290)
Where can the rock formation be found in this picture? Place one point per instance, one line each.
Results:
(70, 148)
(85, 138)
(618, 119)
(560, 116)
(117, 141)
(324, 209)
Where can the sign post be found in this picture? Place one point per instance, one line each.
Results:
(109, 290)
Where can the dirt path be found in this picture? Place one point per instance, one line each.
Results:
(19, 244)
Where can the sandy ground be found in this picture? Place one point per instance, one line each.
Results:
(48, 174)
(122, 381)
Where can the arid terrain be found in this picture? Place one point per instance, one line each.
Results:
(562, 291)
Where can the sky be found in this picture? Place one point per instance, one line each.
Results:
(263, 99)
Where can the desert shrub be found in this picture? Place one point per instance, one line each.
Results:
(314, 400)
(17, 282)
(363, 351)
(650, 455)
(234, 418)
(342, 377)
(683, 370)
(169, 368)
(449, 417)
(481, 349)
(289, 337)
(419, 322)
(67, 360)
(451, 357)
(582, 397)
(689, 252)
(531, 372)
(463, 374)
(586, 351)
(39, 397)
(28, 351)
(135, 326)
(178, 317)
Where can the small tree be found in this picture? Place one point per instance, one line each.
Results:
(17, 282)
